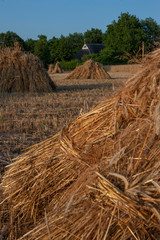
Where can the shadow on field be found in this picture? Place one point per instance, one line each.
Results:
(119, 78)
(86, 87)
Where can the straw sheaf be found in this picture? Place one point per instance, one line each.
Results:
(22, 72)
(99, 178)
(50, 68)
(57, 68)
(89, 70)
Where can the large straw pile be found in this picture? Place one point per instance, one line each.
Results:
(97, 179)
(22, 72)
(89, 70)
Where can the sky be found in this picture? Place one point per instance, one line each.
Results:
(53, 18)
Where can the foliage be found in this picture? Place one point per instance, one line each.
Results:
(30, 44)
(94, 57)
(9, 38)
(126, 36)
(70, 65)
(151, 33)
(41, 49)
(65, 48)
(108, 57)
(53, 45)
(122, 38)
(94, 35)
(77, 40)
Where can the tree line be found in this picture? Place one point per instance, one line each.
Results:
(123, 39)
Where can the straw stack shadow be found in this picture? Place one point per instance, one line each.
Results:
(22, 72)
(89, 70)
(99, 178)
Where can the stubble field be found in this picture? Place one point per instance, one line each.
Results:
(26, 119)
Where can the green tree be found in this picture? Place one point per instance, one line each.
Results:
(65, 45)
(30, 44)
(41, 49)
(94, 35)
(9, 38)
(54, 50)
(77, 40)
(151, 33)
(125, 37)
(64, 48)
(122, 37)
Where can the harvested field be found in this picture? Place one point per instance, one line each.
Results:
(116, 80)
(26, 119)
(130, 68)
(99, 177)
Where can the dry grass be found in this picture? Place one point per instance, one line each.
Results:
(89, 70)
(26, 119)
(22, 72)
(50, 68)
(130, 68)
(99, 177)
(57, 68)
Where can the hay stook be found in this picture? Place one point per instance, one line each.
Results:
(57, 68)
(50, 68)
(89, 70)
(22, 72)
(99, 178)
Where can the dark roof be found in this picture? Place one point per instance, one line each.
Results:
(92, 48)
(95, 47)
(80, 54)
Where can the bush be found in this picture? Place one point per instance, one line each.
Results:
(108, 57)
(70, 65)
(94, 57)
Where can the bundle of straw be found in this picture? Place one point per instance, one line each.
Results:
(50, 68)
(22, 72)
(89, 70)
(57, 68)
(99, 178)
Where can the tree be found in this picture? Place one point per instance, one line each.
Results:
(94, 35)
(77, 40)
(41, 49)
(9, 38)
(126, 37)
(30, 45)
(53, 45)
(123, 37)
(58, 49)
(151, 33)
(65, 48)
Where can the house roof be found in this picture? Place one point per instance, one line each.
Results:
(95, 47)
(89, 48)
